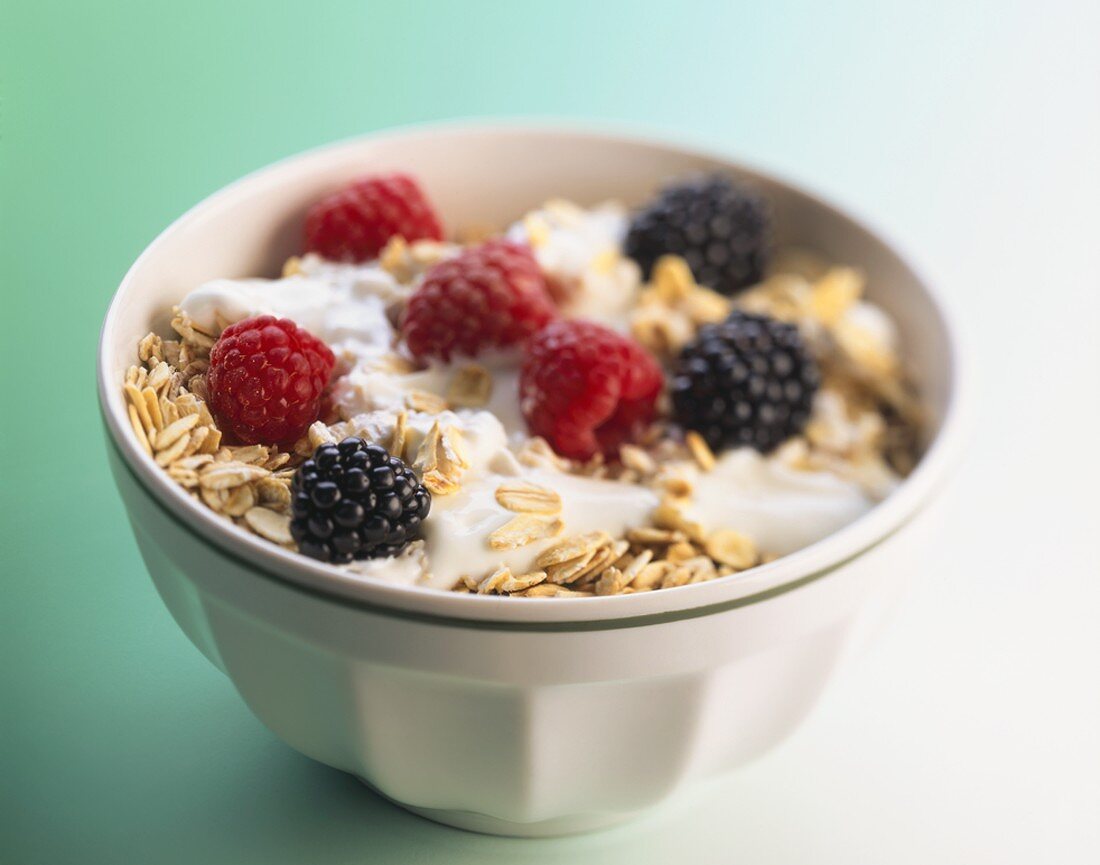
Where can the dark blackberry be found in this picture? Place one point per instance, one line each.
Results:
(747, 381)
(720, 228)
(353, 500)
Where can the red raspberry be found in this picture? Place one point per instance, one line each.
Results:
(489, 296)
(266, 379)
(355, 223)
(587, 389)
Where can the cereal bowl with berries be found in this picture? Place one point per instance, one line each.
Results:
(526, 473)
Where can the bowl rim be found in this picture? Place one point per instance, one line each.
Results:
(788, 573)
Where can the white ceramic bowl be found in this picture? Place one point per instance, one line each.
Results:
(506, 716)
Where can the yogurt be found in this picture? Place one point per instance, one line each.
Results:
(348, 307)
(354, 309)
(780, 507)
(456, 530)
(580, 251)
(366, 389)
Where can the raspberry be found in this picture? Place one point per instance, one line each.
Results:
(722, 230)
(355, 223)
(266, 379)
(491, 296)
(747, 381)
(587, 389)
(355, 501)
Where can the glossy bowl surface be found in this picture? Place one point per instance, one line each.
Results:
(504, 716)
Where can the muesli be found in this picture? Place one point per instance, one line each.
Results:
(590, 402)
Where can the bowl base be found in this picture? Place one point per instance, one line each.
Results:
(486, 825)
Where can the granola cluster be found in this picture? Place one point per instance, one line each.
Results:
(594, 563)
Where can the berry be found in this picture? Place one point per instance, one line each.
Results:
(491, 296)
(353, 500)
(587, 389)
(720, 228)
(266, 379)
(746, 381)
(356, 222)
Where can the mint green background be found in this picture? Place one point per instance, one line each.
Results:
(968, 128)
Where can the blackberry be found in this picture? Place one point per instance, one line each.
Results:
(720, 228)
(353, 500)
(747, 381)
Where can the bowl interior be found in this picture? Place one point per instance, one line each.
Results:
(478, 176)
